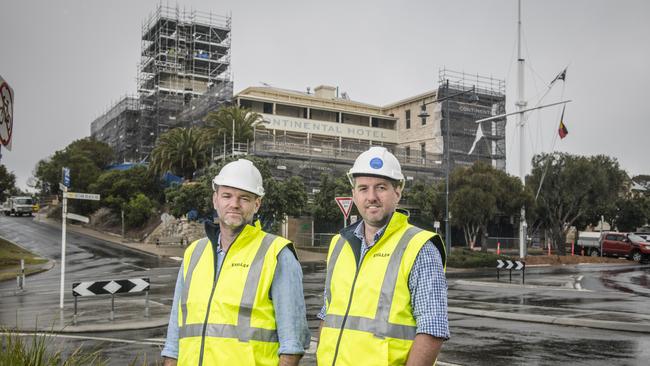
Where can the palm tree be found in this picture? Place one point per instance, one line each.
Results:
(220, 123)
(181, 151)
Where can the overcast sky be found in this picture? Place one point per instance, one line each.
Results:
(68, 61)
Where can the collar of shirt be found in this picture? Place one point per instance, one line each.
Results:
(359, 233)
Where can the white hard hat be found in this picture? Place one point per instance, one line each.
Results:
(377, 161)
(240, 174)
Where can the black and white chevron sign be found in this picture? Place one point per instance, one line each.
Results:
(508, 264)
(110, 287)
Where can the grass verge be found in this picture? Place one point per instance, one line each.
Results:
(10, 256)
(38, 350)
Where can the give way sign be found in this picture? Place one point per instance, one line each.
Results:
(345, 204)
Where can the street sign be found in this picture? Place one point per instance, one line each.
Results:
(6, 113)
(110, 287)
(66, 177)
(345, 204)
(436, 225)
(81, 196)
(72, 216)
(512, 265)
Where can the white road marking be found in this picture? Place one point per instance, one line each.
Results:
(136, 266)
(176, 258)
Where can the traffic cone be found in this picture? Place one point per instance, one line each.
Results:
(498, 248)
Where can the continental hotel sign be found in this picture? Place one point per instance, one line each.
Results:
(302, 125)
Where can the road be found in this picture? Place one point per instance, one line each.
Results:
(587, 292)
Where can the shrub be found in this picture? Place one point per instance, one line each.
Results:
(184, 198)
(465, 258)
(138, 211)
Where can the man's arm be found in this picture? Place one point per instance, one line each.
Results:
(424, 350)
(289, 305)
(428, 288)
(170, 350)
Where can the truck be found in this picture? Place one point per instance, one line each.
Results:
(614, 244)
(18, 206)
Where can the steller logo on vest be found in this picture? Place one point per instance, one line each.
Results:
(381, 255)
(243, 265)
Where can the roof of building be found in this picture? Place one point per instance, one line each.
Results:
(302, 98)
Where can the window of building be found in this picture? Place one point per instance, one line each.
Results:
(268, 108)
(408, 119)
(408, 151)
(423, 151)
(374, 122)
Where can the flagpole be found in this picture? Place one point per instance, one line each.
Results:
(522, 111)
(521, 105)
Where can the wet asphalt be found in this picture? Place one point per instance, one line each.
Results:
(613, 293)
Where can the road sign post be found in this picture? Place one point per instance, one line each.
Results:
(64, 216)
(345, 204)
(64, 212)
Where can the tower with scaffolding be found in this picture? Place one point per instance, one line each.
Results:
(459, 115)
(185, 56)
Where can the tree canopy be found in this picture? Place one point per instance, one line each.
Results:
(573, 190)
(7, 183)
(220, 124)
(85, 157)
(478, 194)
(181, 151)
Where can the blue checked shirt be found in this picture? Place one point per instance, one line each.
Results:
(427, 285)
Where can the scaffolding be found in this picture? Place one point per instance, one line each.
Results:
(185, 54)
(463, 111)
(118, 127)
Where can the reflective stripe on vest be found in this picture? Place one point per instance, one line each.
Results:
(242, 331)
(379, 326)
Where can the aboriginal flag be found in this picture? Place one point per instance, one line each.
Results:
(562, 129)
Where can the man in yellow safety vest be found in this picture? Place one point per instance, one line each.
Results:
(239, 297)
(385, 289)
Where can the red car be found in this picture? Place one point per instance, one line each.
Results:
(626, 245)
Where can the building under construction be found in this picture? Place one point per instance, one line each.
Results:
(313, 133)
(184, 71)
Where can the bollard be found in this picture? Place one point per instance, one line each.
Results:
(20, 279)
(582, 251)
(74, 316)
(498, 247)
(549, 247)
(573, 244)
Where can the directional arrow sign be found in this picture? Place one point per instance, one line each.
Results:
(345, 204)
(110, 287)
(72, 216)
(510, 264)
(81, 196)
(520, 265)
(141, 284)
(500, 263)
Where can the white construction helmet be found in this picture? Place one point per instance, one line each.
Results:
(379, 162)
(240, 174)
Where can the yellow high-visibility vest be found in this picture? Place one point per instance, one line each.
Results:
(230, 320)
(369, 318)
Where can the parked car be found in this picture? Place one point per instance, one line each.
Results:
(614, 244)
